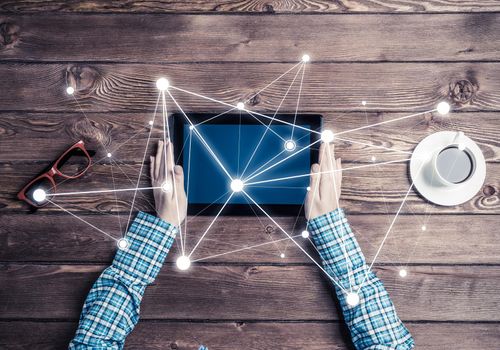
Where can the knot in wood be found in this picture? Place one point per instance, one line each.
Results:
(268, 8)
(9, 34)
(462, 91)
(255, 100)
(251, 271)
(174, 346)
(82, 78)
(489, 190)
(270, 229)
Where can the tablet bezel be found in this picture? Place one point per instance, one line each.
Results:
(206, 209)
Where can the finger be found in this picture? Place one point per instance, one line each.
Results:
(152, 168)
(339, 173)
(159, 151)
(170, 161)
(179, 178)
(314, 181)
(323, 157)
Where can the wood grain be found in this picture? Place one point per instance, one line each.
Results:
(125, 134)
(247, 335)
(407, 87)
(252, 6)
(60, 238)
(363, 191)
(434, 293)
(202, 38)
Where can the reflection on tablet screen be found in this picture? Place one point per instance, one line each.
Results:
(234, 145)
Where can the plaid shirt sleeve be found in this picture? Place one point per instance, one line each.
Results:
(111, 309)
(373, 323)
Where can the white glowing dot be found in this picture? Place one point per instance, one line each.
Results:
(70, 90)
(166, 187)
(308, 188)
(305, 234)
(39, 195)
(191, 127)
(403, 273)
(290, 145)
(183, 262)
(240, 106)
(424, 227)
(352, 299)
(327, 136)
(363, 103)
(237, 185)
(443, 108)
(109, 155)
(282, 255)
(374, 158)
(306, 58)
(122, 243)
(150, 122)
(162, 84)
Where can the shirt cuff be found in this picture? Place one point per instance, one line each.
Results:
(336, 244)
(149, 241)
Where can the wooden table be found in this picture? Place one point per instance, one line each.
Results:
(401, 57)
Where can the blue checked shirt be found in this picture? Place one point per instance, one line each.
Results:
(373, 323)
(112, 307)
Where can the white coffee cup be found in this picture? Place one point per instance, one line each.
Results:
(454, 164)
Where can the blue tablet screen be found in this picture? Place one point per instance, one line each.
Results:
(234, 145)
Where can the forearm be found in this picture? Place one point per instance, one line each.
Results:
(373, 323)
(111, 309)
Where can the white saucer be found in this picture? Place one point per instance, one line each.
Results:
(426, 183)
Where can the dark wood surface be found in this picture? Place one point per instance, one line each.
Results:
(400, 56)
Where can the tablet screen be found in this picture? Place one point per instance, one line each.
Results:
(251, 153)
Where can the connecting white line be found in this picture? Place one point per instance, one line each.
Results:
(188, 181)
(260, 121)
(142, 163)
(245, 248)
(214, 117)
(271, 83)
(326, 172)
(384, 122)
(201, 137)
(210, 226)
(266, 163)
(234, 106)
(298, 245)
(269, 125)
(281, 161)
(342, 247)
(390, 228)
(298, 100)
(166, 134)
(79, 218)
(104, 191)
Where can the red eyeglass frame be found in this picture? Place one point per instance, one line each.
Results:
(52, 172)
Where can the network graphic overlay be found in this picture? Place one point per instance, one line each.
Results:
(239, 184)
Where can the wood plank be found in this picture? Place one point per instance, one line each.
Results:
(408, 87)
(434, 293)
(173, 38)
(364, 190)
(125, 134)
(247, 335)
(62, 238)
(252, 6)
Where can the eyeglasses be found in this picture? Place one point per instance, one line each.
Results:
(72, 164)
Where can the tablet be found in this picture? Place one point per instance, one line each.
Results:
(249, 148)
